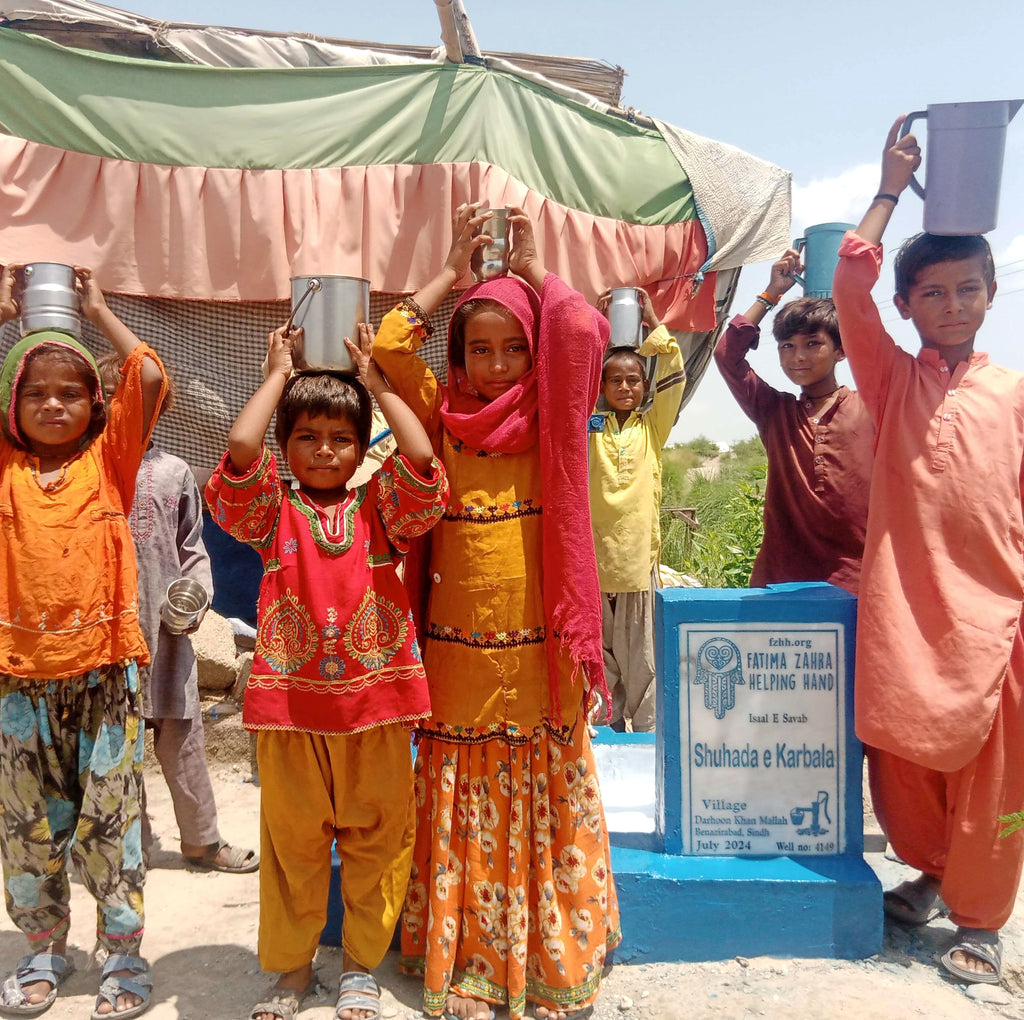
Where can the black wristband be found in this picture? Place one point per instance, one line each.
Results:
(884, 194)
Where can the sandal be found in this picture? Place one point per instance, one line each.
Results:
(285, 1003)
(983, 945)
(914, 903)
(51, 967)
(580, 1014)
(113, 984)
(239, 861)
(358, 990)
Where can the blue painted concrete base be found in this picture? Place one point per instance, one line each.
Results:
(714, 908)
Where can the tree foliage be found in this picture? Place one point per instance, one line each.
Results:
(726, 491)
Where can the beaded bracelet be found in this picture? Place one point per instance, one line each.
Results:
(768, 303)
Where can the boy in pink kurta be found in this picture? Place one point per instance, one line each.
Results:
(940, 655)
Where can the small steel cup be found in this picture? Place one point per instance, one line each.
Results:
(184, 602)
(625, 314)
(490, 261)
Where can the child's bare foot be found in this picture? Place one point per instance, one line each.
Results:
(288, 992)
(544, 1013)
(468, 1009)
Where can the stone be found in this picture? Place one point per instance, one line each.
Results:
(995, 995)
(244, 664)
(214, 645)
(625, 1004)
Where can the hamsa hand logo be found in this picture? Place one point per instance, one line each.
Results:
(719, 670)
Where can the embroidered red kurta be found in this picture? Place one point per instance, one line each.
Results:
(336, 650)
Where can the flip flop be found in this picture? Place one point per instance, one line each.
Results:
(285, 1003)
(358, 990)
(983, 945)
(580, 1014)
(239, 862)
(914, 903)
(112, 985)
(52, 967)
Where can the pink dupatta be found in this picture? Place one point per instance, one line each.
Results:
(549, 406)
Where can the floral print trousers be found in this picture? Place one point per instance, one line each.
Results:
(511, 899)
(70, 784)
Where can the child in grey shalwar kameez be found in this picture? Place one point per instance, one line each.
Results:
(166, 523)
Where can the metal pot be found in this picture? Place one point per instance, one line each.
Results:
(490, 261)
(625, 316)
(47, 299)
(184, 601)
(328, 308)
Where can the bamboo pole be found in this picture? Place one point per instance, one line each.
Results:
(449, 31)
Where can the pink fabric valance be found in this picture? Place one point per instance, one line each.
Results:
(229, 234)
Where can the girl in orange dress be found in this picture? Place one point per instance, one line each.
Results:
(511, 899)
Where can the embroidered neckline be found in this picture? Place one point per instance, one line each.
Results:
(316, 528)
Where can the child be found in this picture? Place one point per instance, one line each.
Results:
(510, 899)
(166, 522)
(819, 444)
(940, 669)
(71, 739)
(625, 508)
(337, 676)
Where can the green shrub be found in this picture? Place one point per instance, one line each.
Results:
(730, 514)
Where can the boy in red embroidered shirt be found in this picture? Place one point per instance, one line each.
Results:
(337, 679)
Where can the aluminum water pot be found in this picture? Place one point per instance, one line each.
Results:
(47, 299)
(328, 308)
(963, 164)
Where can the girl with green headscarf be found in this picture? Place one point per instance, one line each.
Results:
(70, 645)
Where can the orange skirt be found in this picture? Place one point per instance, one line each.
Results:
(511, 898)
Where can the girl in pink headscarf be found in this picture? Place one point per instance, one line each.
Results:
(511, 899)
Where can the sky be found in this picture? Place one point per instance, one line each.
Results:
(811, 88)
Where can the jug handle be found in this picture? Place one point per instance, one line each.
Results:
(799, 244)
(905, 130)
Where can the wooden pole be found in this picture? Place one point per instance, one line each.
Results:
(449, 31)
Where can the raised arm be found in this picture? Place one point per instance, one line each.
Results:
(410, 436)
(523, 259)
(122, 339)
(670, 375)
(465, 241)
(245, 440)
(900, 158)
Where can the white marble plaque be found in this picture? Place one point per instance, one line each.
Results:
(763, 729)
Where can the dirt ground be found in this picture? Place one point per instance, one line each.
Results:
(201, 940)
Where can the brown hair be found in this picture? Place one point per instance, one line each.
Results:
(110, 376)
(923, 250)
(327, 394)
(808, 316)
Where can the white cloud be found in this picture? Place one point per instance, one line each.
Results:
(835, 199)
(1013, 252)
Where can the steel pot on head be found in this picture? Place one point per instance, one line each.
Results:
(625, 317)
(47, 299)
(328, 309)
(490, 261)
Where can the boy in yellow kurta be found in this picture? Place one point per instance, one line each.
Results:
(625, 509)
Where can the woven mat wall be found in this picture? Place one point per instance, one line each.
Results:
(213, 350)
